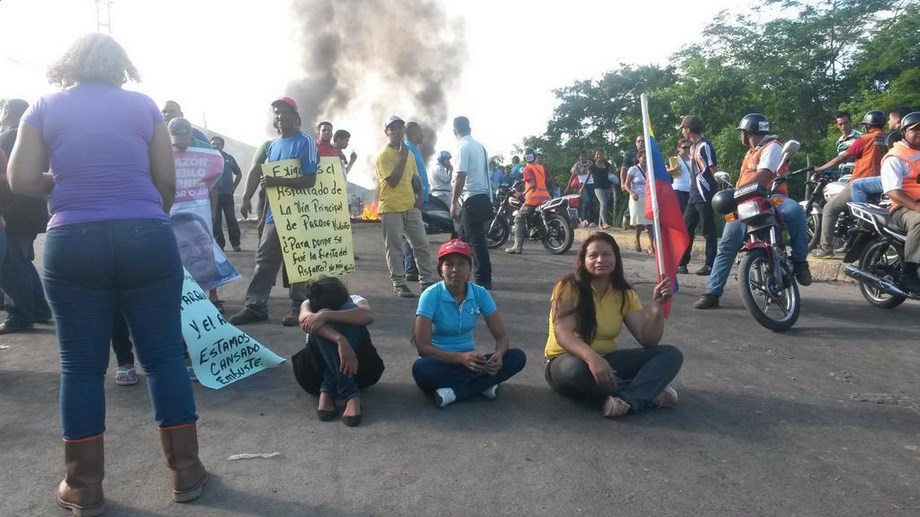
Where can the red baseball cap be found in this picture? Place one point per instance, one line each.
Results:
(455, 246)
(287, 101)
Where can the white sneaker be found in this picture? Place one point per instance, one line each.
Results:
(491, 393)
(444, 397)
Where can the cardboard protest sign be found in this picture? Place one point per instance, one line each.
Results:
(197, 170)
(313, 224)
(221, 354)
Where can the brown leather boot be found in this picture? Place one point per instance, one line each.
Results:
(84, 466)
(180, 446)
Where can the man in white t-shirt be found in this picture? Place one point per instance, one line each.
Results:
(473, 189)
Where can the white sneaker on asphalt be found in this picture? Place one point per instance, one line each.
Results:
(491, 393)
(444, 397)
(666, 398)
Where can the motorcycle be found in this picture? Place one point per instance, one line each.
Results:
(436, 216)
(879, 247)
(550, 223)
(766, 278)
(823, 188)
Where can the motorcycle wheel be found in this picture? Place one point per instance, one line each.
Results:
(498, 233)
(883, 260)
(756, 278)
(813, 227)
(559, 234)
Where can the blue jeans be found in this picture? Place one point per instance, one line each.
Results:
(25, 298)
(588, 197)
(92, 268)
(2, 250)
(411, 266)
(343, 387)
(431, 374)
(733, 237)
(641, 374)
(861, 189)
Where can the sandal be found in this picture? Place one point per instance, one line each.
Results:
(126, 376)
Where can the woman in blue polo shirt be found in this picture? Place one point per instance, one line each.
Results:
(450, 366)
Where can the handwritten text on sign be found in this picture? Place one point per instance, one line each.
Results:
(221, 354)
(313, 224)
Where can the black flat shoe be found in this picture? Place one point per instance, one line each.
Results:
(352, 421)
(326, 415)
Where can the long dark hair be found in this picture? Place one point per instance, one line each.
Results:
(585, 311)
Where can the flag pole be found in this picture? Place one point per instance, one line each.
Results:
(651, 183)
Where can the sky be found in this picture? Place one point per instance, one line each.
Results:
(224, 62)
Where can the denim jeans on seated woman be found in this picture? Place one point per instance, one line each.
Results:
(92, 268)
(431, 374)
(343, 387)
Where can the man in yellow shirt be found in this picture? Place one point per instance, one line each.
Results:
(399, 202)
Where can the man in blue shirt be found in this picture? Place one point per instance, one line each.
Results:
(292, 143)
(414, 138)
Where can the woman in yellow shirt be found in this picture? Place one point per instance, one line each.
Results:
(589, 308)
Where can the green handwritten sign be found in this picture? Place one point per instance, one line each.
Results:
(221, 353)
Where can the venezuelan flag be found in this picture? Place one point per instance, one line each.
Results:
(662, 207)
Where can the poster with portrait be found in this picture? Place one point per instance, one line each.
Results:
(197, 170)
(313, 224)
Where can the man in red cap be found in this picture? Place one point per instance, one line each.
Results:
(292, 144)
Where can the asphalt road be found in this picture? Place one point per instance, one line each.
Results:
(820, 420)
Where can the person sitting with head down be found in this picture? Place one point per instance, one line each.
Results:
(335, 324)
(589, 308)
(447, 313)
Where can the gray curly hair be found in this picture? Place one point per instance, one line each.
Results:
(93, 58)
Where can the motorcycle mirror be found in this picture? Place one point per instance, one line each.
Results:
(723, 177)
(791, 147)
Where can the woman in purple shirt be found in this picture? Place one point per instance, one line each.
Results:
(109, 244)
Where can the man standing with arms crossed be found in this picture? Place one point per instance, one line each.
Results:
(473, 189)
(292, 143)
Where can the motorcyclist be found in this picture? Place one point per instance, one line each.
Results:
(901, 182)
(762, 163)
(535, 194)
(861, 189)
(867, 151)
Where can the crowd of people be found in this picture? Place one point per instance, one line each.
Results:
(113, 266)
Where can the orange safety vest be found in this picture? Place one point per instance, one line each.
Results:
(752, 159)
(869, 162)
(536, 195)
(910, 184)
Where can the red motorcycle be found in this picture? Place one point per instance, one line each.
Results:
(766, 278)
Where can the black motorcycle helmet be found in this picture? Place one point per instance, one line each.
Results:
(874, 118)
(910, 120)
(724, 201)
(755, 123)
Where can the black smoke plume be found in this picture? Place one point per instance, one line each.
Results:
(395, 57)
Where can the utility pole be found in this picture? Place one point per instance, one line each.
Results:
(104, 16)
